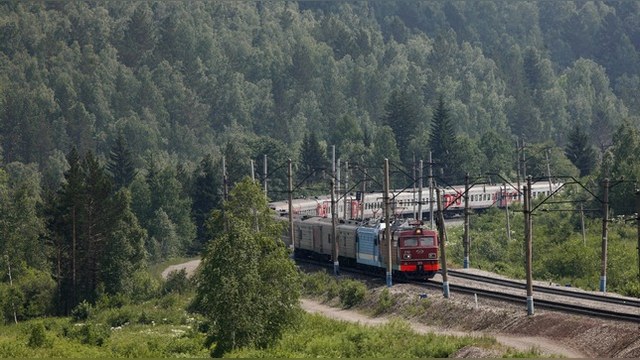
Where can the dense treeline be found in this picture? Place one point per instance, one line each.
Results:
(115, 116)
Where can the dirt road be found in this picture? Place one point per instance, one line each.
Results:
(543, 345)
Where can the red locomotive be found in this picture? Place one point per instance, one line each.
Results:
(414, 249)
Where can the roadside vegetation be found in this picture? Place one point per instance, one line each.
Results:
(163, 327)
(560, 254)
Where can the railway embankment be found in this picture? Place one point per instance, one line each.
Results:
(551, 333)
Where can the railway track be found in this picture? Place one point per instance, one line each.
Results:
(547, 289)
(633, 315)
(544, 303)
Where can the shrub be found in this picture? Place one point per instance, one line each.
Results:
(351, 292)
(385, 302)
(106, 301)
(90, 334)
(38, 336)
(177, 281)
(82, 311)
(121, 316)
(332, 290)
(141, 286)
(316, 283)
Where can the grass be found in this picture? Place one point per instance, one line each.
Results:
(318, 336)
(157, 328)
(162, 328)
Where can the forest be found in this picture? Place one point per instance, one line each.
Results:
(115, 116)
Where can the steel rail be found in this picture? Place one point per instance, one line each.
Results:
(548, 290)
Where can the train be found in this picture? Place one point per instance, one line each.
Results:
(414, 248)
(404, 203)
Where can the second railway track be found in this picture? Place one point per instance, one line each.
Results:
(631, 312)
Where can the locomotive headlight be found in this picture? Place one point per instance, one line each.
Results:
(406, 255)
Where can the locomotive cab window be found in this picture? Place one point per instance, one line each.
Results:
(410, 242)
(415, 242)
(427, 241)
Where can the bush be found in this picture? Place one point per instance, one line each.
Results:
(121, 316)
(351, 292)
(385, 302)
(177, 281)
(30, 296)
(315, 283)
(90, 334)
(141, 286)
(82, 311)
(38, 336)
(106, 301)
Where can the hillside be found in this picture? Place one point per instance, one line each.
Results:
(124, 127)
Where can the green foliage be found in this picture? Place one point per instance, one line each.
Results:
(560, 254)
(248, 287)
(120, 164)
(351, 292)
(385, 303)
(38, 337)
(443, 144)
(316, 283)
(321, 337)
(89, 333)
(177, 281)
(82, 311)
(141, 285)
(580, 152)
(31, 295)
(313, 160)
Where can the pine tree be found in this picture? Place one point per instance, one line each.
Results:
(121, 164)
(443, 142)
(97, 222)
(313, 159)
(206, 197)
(66, 225)
(580, 151)
(402, 116)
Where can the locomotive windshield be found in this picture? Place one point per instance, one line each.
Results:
(418, 242)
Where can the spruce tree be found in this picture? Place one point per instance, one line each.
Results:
(580, 151)
(402, 116)
(120, 164)
(313, 159)
(443, 143)
(206, 197)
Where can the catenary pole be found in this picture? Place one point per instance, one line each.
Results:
(334, 238)
(442, 242)
(518, 167)
(528, 245)
(638, 227)
(290, 193)
(346, 188)
(466, 222)
(506, 206)
(362, 197)
(387, 228)
(265, 175)
(605, 223)
(420, 173)
(430, 190)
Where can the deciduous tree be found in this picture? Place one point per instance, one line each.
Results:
(248, 287)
